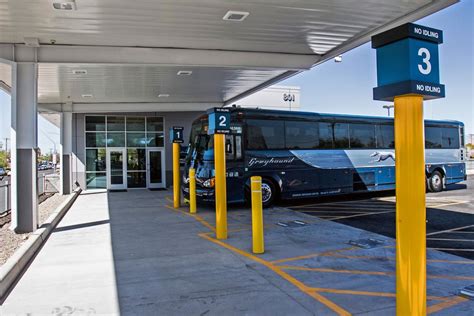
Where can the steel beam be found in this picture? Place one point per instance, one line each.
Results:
(72, 54)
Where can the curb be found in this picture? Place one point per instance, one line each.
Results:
(12, 270)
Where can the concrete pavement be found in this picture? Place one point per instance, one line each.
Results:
(131, 253)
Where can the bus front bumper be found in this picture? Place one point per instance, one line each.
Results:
(202, 195)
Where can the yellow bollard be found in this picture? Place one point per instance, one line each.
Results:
(257, 215)
(410, 207)
(176, 177)
(220, 186)
(192, 191)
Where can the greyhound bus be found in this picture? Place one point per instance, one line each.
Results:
(303, 154)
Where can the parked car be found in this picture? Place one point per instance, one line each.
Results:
(3, 172)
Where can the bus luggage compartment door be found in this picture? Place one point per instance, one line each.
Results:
(335, 179)
(363, 181)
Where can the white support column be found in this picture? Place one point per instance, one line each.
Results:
(24, 135)
(66, 152)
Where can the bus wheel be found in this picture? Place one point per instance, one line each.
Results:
(435, 182)
(268, 192)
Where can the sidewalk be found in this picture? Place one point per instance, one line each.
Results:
(131, 253)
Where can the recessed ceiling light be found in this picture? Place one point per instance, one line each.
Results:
(66, 5)
(185, 73)
(32, 42)
(87, 96)
(163, 95)
(79, 72)
(235, 16)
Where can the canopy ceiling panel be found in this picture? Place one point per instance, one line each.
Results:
(144, 83)
(287, 36)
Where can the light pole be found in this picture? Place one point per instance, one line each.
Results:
(388, 107)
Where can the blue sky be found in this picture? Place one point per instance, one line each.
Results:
(347, 87)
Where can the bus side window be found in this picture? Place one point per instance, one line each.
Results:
(229, 147)
(325, 135)
(384, 135)
(341, 135)
(238, 147)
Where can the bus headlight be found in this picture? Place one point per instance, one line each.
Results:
(209, 183)
(185, 180)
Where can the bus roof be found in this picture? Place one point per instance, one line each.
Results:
(302, 114)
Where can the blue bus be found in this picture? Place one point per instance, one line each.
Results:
(303, 154)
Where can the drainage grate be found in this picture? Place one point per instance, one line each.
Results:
(295, 223)
(367, 243)
(467, 291)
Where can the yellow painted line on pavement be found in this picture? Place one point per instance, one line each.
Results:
(301, 286)
(334, 211)
(359, 215)
(449, 230)
(337, 255)
(371, 293)
(447, 204)
(195, 216)
(385, 273)
(451, 239)
(329, 270)
(452, 249)
(443, 305)
(326, 253)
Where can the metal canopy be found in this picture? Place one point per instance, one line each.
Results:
(132, 50)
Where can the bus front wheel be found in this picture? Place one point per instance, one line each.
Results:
(268, 192)
(435, 182)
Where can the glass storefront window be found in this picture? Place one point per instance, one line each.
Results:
(134, 133)
(115, 139)
(136, 140)
(95, 159)
(115, 123)
(154, 124)
(95, 123)
(136, 179)
(155, 140)
(136, 159)
(96, 180)
(135, 124)
(95, 139)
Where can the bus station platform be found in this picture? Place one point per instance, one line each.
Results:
(132, 253)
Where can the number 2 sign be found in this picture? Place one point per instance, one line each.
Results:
(219, 121)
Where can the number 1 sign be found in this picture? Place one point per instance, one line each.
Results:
(176, 134)
(408, 62)
(219, 121)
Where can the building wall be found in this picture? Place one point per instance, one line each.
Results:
(184, 119)
(273, 98)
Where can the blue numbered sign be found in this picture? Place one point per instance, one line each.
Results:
(219, 121)
(408, 62)
(176, 134)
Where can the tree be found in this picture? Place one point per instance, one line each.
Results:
(3, 159)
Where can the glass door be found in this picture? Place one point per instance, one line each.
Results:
(156, 168)
(116, 169)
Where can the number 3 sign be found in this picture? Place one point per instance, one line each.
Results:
(219, 121)
(408, 62)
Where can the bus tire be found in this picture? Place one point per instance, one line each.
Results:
(269, 192)
(435, 182)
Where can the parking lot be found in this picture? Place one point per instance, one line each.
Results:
(450, 216)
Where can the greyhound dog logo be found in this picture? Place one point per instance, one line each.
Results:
(382, 156)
